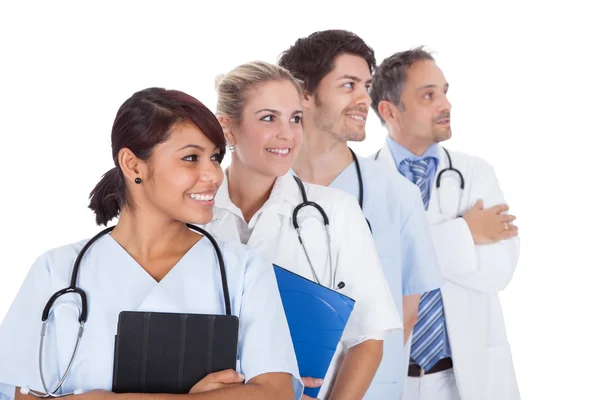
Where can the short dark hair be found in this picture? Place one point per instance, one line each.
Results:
(313, 57)
(390, 76)
(142, 122)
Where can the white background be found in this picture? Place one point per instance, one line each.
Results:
(523, 83)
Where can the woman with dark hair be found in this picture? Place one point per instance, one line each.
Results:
(167, 148)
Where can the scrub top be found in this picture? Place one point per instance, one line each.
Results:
(115, 282)
(400, 228)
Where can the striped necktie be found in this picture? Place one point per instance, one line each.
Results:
(429, 332)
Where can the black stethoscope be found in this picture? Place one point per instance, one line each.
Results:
(361, 189)
(84, 309)
(438, 180)
(307, 203)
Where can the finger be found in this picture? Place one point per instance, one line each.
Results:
(507, 218)
(226, 376)
(500, 208)
(479, 204)
(512, 232)
(312, 382)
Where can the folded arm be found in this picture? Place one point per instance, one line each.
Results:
(473, 251)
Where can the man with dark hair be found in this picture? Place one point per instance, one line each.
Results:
(459, 347)
(336, 68)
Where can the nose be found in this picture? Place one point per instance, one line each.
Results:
(211, 173)
(445, 104)
(285, 130)
(362, 97)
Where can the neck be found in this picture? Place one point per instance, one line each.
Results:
(147, 238)
(321, 158)
(248, 189)
(411, 143)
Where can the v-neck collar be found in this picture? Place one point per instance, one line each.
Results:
(143, 271)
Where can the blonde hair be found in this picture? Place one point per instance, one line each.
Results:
(233, 88)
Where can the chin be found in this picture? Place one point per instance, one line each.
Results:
(199, 219)
(355, 137)
(276, 170)
(351, 135)
(442, 136)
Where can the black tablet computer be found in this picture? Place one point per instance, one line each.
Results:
(170, 352)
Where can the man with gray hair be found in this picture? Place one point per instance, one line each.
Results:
(459, 347)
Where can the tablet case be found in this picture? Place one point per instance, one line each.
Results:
(171, 352)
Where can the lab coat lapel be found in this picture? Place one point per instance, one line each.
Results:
(445, 202)
(276, 210)
(386, 158)
(225, 224)
(224, 216)
(433, 214)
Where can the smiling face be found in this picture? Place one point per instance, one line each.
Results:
(183, 175)
(269, 133)
(340, 103)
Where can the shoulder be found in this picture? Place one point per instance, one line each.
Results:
(235, 251)
(382, 179)
(240, 256)
(469, 161)
(326, 196)
(56, 264)
(62, 257)
(339, 205)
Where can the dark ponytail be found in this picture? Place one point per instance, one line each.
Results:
(143, 121)
(108, 197)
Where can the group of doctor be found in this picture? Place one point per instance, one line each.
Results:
(423, 255)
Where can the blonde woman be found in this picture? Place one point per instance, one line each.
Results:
(259, 109)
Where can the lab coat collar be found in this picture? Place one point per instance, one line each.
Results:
(387, 158)
(284, 197)
(401, 153)
(384, 155)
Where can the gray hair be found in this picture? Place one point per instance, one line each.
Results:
(390, 77)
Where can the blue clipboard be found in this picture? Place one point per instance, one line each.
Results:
(316, 316)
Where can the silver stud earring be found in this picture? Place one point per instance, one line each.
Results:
(231, 149)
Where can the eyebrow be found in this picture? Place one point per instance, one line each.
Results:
(432, 86)
(276, 112)
(269, 110)
(195, 146)
(354, 78)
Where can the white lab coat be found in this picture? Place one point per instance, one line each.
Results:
(352, 248)
(473, 274)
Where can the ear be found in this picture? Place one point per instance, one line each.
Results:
(227, 125)
(387, 110)
(306, 99)
(132, 166)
